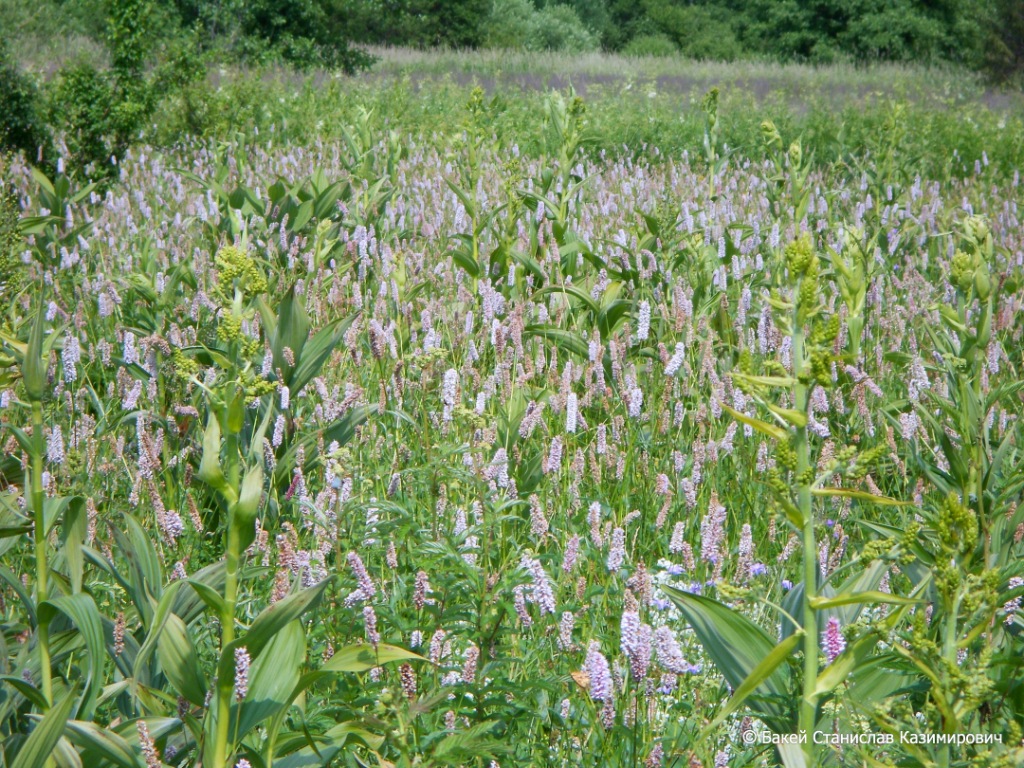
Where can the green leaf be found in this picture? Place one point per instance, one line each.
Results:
(72, 538)
(573, 291)
(210, 471)
(850, 493)
(36, 750)
(273, 677)
(243, 514)
(566, 340)
(316, 352)
(737, 646)
(33, 367)
(163, 610)
(789, 415)
(362, 657)
(765, 668)
(209, 595)
(27, 690)
(777, 433)
(271, 621)
(179, 662)
(327, 746)
(100, 744)
(83, 613)
(850, 598)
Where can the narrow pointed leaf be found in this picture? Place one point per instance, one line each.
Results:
(44, 737)
(772, 431)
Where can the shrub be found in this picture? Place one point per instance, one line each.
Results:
(657, 44)
(559, 28)
(21, 128)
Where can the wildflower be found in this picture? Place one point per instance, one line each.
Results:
(712, 531)
(617, 550)
(1011, 607)
(366, 589)
(538, 522)
(572, 549)
(594, 519)
(541, 593)
(668, 652)
(519, 602)
(634, 402)
(146, 745)
(833, 642)
(571, 412)
(676, 361)
(55, 447)
(242, 661)
(70, 357)
(422, 586)
(746, 550)
(635, 640)
(408, 680)
(119, 627)
(129, 352)
(469, 667)
(596, 668)
(437, 646)
(448, 392)
(675, 544)
(643, 323)
(553, 463)
(370, 618)
(565, 627)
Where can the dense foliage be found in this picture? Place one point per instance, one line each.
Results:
(414, 449)
(980, 34)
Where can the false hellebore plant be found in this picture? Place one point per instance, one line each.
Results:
(761, 671)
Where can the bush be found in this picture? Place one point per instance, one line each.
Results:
(657, 44)
(80, 106)
(518, 24)
(559, 28)
(21, 127)
(12, 269)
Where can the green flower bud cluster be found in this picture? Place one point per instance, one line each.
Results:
(236, 268)
(785, 456)
(956, 526)
(826, 332)
(184, 366)
(982, 591)
(229, 328)
(800, 255)
(910, 534)
(961, 271)
(709, 105)
(876, 549)
(821, 365)
(795, 155)
(775, 482)
(867, 459)
(770, 134)
(259, 387)
(475, 105)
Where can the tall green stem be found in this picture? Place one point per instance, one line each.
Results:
(808, 704)
(42, 566)
(225, 688)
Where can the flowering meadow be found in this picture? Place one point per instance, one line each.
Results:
(409, 450)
